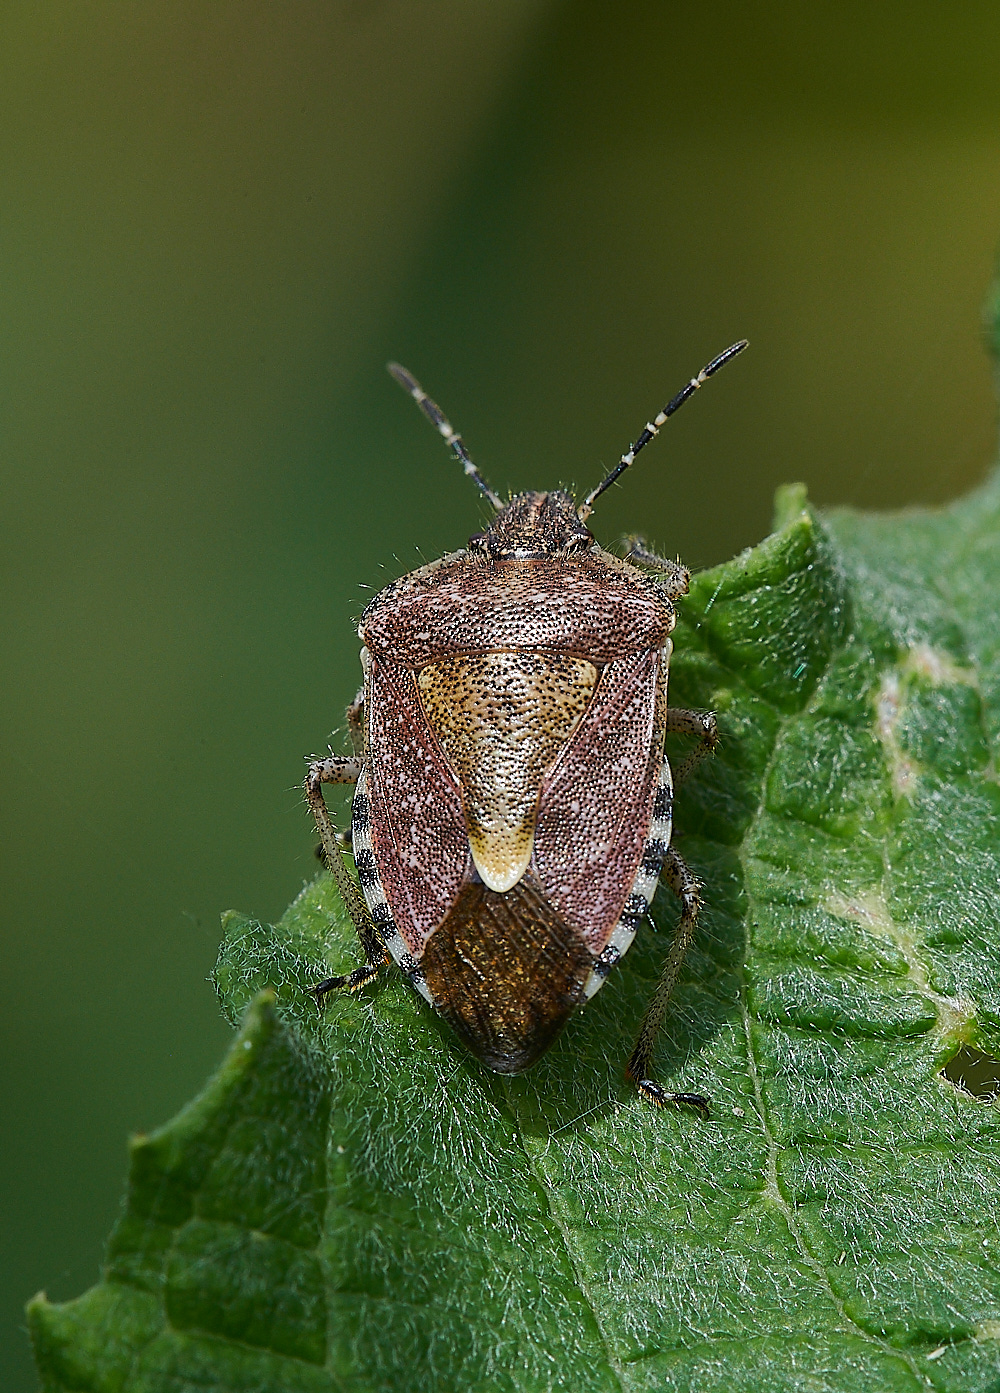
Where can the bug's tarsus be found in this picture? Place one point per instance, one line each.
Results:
(444, 428)
(357, 979)
(661, 1098)
(687, 887)
(653, 427)
(350, 982)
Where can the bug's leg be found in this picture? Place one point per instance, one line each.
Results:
(699, 723)
(672, 578)
(686, 885)
(355, 723)
(355, 726)
(336, 770)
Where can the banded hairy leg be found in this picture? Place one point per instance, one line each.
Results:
(336, 769)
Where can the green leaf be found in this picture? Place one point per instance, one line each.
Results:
(354, 1203)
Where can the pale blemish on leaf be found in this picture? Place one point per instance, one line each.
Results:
(888, 705)
(938, 668)
(955, 1015)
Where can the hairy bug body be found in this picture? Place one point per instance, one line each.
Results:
(513, 806)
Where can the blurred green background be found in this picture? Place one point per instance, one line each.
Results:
(216, 223)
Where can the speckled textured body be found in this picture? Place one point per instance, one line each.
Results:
(514, 807)
(514, 802)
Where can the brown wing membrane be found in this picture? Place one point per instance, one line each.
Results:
(596, 805)
(505, 971)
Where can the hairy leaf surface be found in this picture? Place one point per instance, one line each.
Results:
(354, 1203)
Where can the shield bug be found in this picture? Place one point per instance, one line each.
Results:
(513, 806)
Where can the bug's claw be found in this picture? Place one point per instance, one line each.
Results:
(329, 984)
(659, 1097)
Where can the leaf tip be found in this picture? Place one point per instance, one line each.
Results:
(257, 1024)
(790, 502)
(35, 1309)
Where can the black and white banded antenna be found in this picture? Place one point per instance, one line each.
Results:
(653, 427)
(444, 427)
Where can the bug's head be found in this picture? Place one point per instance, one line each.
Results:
(534, 526)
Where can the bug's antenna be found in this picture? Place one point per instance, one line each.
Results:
(653, 426)
(444, 427)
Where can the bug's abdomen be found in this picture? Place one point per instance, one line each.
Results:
(506, 972)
